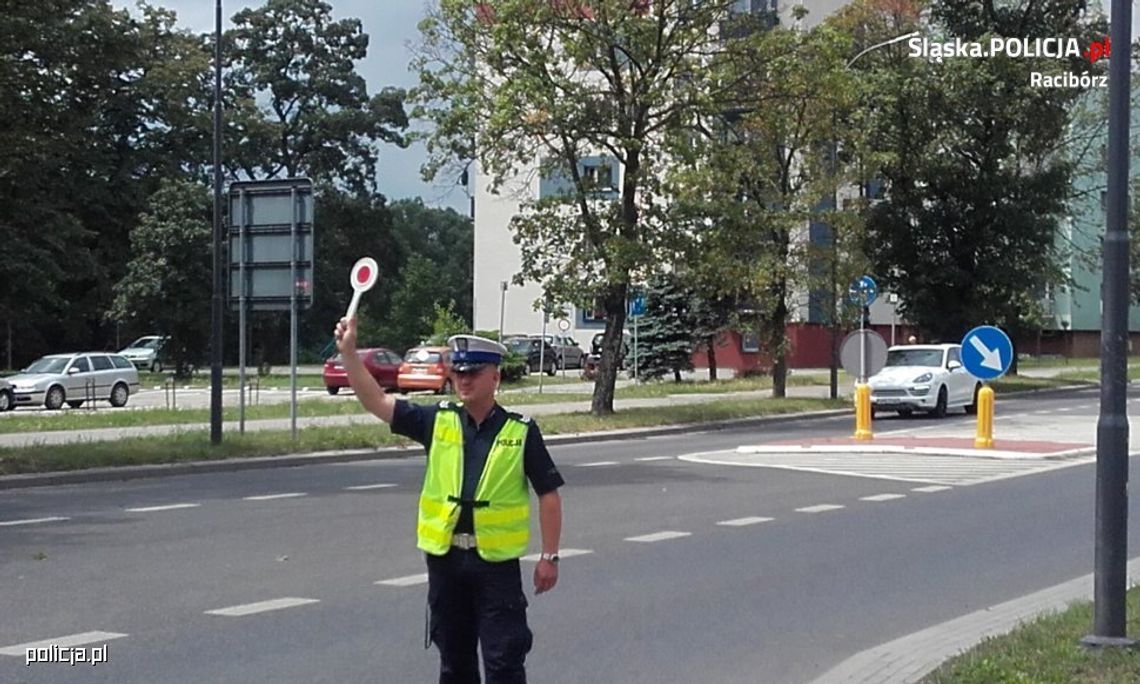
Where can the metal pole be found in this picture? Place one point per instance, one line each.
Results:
(242, 293)
(216, 300)
(1109, 578)
(635, 348)
(502, 306)
(542, 353)
(293, 314)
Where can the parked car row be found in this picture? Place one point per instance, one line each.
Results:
(72, 379)
(421, 368)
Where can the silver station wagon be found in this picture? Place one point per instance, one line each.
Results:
(74, 379)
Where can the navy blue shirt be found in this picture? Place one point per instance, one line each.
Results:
(418, 422)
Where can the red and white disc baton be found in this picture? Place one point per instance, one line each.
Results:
(364, 275)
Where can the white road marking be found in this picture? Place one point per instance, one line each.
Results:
(658, 536)
(654, 458)
(562, 554)
(821, 508)
(957, 470)
(69, 641)
(271, 497)
(261, 607)
(410, 580)
(597, 463)
(169, 507)
(741, 522)
(883, 497)
(31, 521)
(929, 490)
(360, 488)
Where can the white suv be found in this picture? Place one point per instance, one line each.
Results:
(924, 377)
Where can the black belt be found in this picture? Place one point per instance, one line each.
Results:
(473, 503)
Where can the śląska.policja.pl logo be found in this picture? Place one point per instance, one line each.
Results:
(1055, 48)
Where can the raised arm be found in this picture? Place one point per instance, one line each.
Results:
(368, 391)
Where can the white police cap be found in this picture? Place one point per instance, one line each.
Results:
(470, 352)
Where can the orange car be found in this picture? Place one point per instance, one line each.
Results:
(426, 368)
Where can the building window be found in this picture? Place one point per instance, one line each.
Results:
(599, 176)
(592, 317)
(749, 342)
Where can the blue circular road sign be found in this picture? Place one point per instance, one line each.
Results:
(987, 352)
(863, 291)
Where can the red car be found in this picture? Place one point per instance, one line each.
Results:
(383, 364)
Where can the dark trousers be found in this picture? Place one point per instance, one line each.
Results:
(475, 602)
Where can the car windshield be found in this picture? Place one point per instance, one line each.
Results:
(146, 343)
(47, 365)
(422, 356)
(915, 357)
(519, 345)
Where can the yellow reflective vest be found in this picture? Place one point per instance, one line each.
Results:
(502, 500)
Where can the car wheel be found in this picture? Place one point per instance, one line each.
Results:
(972, 409)
(332, 390)
(552, 370)
(940, 408)
(75, 403)
(54, 399)
(905, 413)
(119, 395)
(529, 368)
(7, 401)
(156, 367)
(446, 388)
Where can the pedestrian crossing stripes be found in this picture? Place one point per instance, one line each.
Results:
(926, 468)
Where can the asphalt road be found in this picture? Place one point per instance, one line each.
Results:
(786, 591)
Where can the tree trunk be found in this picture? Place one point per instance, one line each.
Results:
(614, 301)
(777, 346)
(676, 375)
(712, 357)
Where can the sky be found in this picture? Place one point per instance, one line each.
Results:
(391, 26)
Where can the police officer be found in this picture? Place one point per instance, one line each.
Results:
(474, 512)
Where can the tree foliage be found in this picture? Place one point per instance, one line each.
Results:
(301, 108)
(583, 96)
(665, 337)
(975, 178)
(167, 283)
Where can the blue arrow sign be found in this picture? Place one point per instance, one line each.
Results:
(637, 306)
(863, 291)
(987, 352)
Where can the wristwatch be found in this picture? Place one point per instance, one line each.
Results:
(552, 557)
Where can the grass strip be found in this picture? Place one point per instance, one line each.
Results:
(1047, 651)
(195, 445)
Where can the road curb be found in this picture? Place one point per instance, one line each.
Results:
(387, 453)
(294, 460)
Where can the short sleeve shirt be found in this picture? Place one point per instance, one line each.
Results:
(418, 422)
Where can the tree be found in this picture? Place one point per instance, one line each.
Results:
(447, 239)
(584, 94)
(977, 174)
(419, 291)
(93, 102)
(301, 107)
(665, 337)
(167, 284)
(752, 183)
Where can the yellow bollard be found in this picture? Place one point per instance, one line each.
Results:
(863, 412)
(985, 436)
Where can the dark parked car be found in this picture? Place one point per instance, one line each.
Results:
(626, 346)
(531, 348)
(382, 364)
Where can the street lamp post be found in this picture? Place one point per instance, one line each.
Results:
(833, 374)
(219, 280)
(1111, 555)
(502, 306)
